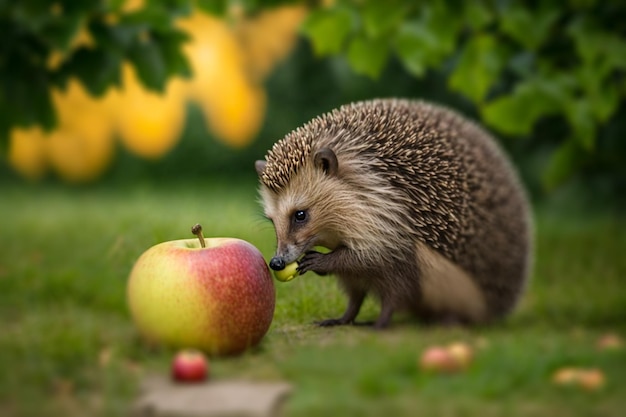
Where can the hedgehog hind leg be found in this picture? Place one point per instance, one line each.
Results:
(384, 317)
(355, 301)
(382, 322)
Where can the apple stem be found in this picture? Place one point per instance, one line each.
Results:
(197, 230)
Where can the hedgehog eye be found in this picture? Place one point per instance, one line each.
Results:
(299, 216)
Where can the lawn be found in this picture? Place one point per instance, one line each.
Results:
(68, 347)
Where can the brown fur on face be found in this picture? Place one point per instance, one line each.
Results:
(337, 211)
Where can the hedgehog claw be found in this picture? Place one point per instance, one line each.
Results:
(312, 261)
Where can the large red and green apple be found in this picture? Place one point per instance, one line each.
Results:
(219, 298)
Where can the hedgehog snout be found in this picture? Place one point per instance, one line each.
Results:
(277, 263)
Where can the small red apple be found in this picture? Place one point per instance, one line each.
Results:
(437, 359)
(219, 298)
(190, 366)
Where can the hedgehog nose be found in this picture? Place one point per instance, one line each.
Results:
(277, 263)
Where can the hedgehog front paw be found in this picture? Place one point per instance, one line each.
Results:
(332, 322)
(313, 261)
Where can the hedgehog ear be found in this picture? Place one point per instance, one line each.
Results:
(260, 166)
(326, 159)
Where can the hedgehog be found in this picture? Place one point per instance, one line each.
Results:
(419, 207)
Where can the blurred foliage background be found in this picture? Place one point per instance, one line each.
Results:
(119, 90)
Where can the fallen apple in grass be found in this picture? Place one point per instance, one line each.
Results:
(452, 358)
(566, 376)
(214, 294)
(610, 341)
(437, 359)
(190, 365)
(461, 353)
(590, 379)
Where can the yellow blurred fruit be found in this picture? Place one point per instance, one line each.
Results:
(150, 124)
(82, 147)
(27, 152)
(238, 115)
(133, 5)
(462, 353)
(566, 376)
(78, 110)
(79, 157)
(233, 105)
(267, 38)
(212, 52)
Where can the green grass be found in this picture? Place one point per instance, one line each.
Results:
(68, 347)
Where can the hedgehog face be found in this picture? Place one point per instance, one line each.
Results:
(302, 210)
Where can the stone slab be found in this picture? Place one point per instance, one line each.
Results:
(162, 397)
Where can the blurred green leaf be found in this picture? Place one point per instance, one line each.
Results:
(510, 114)
(602, 56)
(174, 8)
(477, 14)
(427, 41)
(616, 52)
(153, 19)
(116, 5)
(589, 41)
(215, 7)
(149, 63)
(25, 100)
(381, 17)
(174, 58)
(601, 94)
(328, 29)
(479, 67)
(604, 102)
(32, 16)
(523, 64)
(415, 46)
(60, 32)
(564, 162)
(529, 28)
(580, 117)
(97, 68)
(117, 37)
(603, 51)
(445, 23)
(517, 112)
(367, 56)
(582, 4)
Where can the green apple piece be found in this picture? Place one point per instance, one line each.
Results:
(321, 249)
(287, 274)
(290, 271)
